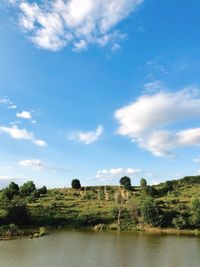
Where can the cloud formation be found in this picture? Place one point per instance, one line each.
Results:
(7, 102)
(57, 23)
(87, 137)
(24, 115)
(197, 159)
(146, 121)
(110, 174)
(21, 134)
(39, 165)
(33, 163)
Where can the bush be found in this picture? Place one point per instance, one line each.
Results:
(101, 195)
(17, 213)
(150, 212)
(151, 191)
(43, 190)
(196, 210)
(179, 222)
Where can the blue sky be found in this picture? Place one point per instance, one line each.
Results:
(96, 90)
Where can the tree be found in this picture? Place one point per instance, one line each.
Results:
(36, 193)
(27, 189)
(168, 186)
(11, 191)
(43, 190)
(76, 184)
(17, 212)
(150, 212)
(125, 180)
(143, 183)
(127, 186)
(196, 210)
(119, 200)
(151, 191)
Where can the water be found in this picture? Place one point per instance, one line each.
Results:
(99, 249)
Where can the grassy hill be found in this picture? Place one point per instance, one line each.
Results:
(174, 204)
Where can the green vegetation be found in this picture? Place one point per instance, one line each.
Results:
(125, 180)
(76, 184)
(143, 183)
(171, 205)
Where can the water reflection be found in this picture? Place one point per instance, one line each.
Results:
(91, 249)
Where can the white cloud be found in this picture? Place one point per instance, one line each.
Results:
(12, 1)
(81, 45)
(145, 120)
(39, 142)
(5, 177)
(33, 163)
(154, 86)
(4, 100)
(197, 159)
(7, 102)
(56, 23)
(12, 107)
(115, 47)
(110, 174)
(39, 165)
(21, 134)
(87, 137)
(24, 115)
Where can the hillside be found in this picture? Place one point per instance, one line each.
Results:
(174, 204)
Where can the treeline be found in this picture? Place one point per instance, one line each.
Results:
(14, 200)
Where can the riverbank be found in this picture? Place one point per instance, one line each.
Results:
(43, 231)
(9, 232)
(168, 231)
(169, 208)
(148, 229)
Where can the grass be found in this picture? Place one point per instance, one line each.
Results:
(89, 208)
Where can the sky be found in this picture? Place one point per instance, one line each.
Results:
(97, 89)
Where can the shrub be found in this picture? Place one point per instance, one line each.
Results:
(150, 212)
(43, 190)
(196, 210)
(17, 213)
(151, 191)
(179, 222)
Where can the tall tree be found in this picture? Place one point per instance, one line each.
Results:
(10, 191)
(143, 183)
(124, 180)
(76, 184)
(27, 189)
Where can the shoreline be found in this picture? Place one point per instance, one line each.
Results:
(36, 232)
(169, 231)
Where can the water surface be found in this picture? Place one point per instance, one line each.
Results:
(101, 249)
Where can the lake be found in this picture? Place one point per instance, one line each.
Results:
(65, 248)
